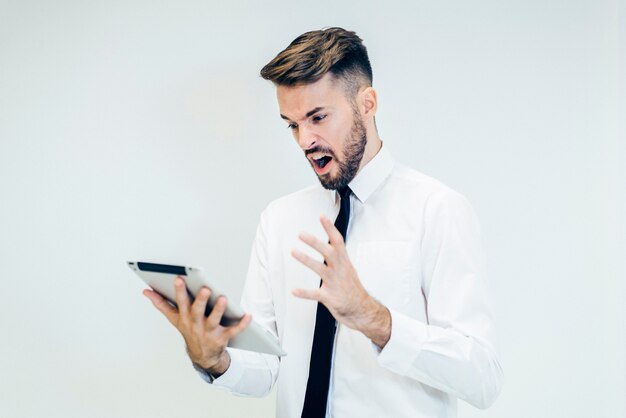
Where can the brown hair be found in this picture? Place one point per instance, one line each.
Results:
(313, 54)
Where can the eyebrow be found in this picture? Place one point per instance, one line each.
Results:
(308, 114)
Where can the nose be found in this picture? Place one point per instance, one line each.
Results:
(306, 137)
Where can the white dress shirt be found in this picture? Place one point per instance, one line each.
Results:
(416, 246)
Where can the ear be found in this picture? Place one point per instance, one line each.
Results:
(368, 102)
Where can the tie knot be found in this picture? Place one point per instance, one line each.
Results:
(344, 192)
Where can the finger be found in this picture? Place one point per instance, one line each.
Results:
(217, 312)
(320, 246)
(235, 330)
(162, 305)
(182, 299)
(198, 307)
(334, 236)
(311, 294)
(316, 266)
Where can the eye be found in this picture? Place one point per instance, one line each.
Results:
(292, 126)
(318, 118)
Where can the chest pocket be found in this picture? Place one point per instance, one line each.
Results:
(387, 271)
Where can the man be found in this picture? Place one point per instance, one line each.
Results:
(386, 313)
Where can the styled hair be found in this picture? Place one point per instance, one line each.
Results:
(314, 54)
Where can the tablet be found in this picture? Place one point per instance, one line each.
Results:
(160, 277)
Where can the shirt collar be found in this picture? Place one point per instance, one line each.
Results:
(371, 176)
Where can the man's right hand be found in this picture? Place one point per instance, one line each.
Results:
(206, 339)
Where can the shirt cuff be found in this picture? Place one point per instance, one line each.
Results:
(407, 336)
(231, 376)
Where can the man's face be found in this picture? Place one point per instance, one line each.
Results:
(327, 127)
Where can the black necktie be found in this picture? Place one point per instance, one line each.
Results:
(316, 395)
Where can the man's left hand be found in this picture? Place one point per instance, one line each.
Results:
(341, 291)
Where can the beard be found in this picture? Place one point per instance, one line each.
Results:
(353, 151)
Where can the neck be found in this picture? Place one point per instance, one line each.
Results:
(374, 144)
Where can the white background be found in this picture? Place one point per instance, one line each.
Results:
(142, 130)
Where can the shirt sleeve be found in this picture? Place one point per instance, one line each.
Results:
(250, 373)
(456, 350)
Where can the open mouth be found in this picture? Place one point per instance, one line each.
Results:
(322, 161)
